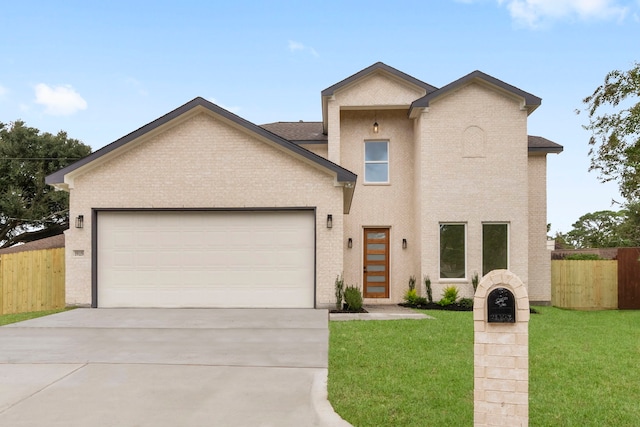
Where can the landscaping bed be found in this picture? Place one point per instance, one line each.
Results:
(456, 306)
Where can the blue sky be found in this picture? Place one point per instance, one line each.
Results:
(100, 71)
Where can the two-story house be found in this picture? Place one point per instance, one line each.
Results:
(201, 208)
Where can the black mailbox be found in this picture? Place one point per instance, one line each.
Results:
(501, 306)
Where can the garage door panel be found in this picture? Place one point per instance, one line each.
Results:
(206, 259)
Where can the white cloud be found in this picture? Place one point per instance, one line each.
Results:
(234, 110)
(537, 13)
(59, 100)
(532, 13)
(297, 46)
(3, 90)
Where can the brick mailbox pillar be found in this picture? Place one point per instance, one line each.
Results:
(501, 351)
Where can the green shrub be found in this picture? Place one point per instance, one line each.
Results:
(427, 285)
(353, 298)
(411, 296)
(583, 257)
(449, 296)
(339, 291)
(466, 302)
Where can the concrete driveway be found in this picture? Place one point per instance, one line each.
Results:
(167, 367)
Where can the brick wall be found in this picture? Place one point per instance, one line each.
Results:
(473, 184)
(204, 162)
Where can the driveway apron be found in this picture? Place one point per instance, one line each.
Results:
(167, 367)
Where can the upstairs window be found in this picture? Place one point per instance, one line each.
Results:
(376, 162)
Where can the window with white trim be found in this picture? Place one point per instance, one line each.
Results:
(453, 256)
(495, 247)
(376, 162)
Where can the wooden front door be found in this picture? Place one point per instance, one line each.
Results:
(376, 263)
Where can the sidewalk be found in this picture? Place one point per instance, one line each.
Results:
(380, 312)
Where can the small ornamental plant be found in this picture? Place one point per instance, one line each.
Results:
(339, 291)
(353, 298)
(449, 296)
(427, 285)
(474, 281)
(411, 296)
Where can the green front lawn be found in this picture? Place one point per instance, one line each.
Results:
(583, 369)
(5, 319)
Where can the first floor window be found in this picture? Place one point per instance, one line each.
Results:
(495, 247)
(452, 251)
(376, 162)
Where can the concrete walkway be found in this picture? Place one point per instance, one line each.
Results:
(167, 367)
(381, 312)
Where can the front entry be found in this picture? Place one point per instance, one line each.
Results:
(376, 263)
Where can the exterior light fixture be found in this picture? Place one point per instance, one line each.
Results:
(80, 221)
(404, 243)
(376, 128)
(350, 243)
(329, 221)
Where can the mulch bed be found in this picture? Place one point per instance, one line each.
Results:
(435, 306)
(362, 310)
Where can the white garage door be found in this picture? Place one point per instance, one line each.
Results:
(206, 259)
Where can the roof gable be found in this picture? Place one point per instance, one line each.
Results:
(194, 106)
(529, 101)
(377, 68)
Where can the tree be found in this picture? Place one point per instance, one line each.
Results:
(614, 122)
(630, 228)
(30, 209)
(605, 229)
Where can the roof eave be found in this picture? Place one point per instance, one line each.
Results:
(548, 150)
(343, 175)
(529, 101)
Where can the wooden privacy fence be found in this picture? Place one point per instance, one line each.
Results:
(32, 281)
(584, 285)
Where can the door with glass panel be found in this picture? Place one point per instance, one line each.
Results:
(376, 263)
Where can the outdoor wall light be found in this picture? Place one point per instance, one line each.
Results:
(404, 243)
(80, 221)
(350, 243)
(376, 128)
(329, 221)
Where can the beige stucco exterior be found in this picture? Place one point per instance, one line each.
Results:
(462, 157)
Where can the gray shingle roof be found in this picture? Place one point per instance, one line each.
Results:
(298, 132)
(311, 133)
(543, 145)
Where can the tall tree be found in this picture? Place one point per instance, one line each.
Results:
(30, 209)
(605, 229)
(614, 122)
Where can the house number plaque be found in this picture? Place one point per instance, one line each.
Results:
(501, 306)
